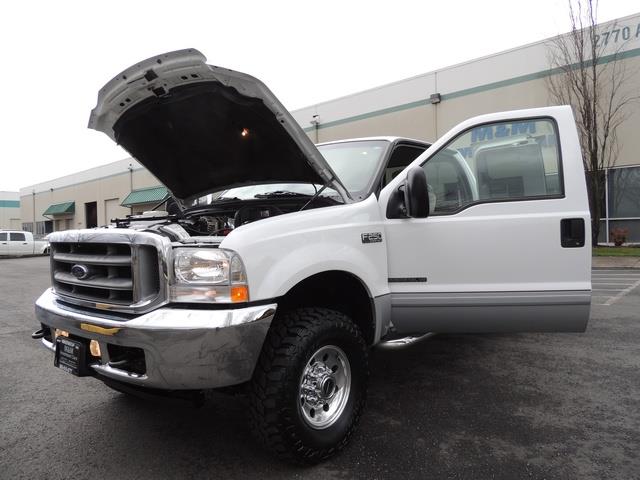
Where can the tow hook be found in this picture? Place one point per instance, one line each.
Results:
(38, 334)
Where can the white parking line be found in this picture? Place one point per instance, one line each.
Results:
(609, 286)
(608, 277)
(617, 272)
(613, 300)
(615, 275)
(615, 279)
(618, 283)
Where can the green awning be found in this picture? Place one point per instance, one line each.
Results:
(145, 195)
(61, 208)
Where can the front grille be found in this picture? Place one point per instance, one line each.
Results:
(106, 273)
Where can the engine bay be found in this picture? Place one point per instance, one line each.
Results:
(221, 217)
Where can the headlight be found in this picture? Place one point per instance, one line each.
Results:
(200, 265)
(208, 275)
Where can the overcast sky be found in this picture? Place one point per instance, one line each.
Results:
(57, 54)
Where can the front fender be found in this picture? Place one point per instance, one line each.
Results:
(280, 252)
(308, 260)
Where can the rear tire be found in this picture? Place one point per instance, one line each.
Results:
(309, 386)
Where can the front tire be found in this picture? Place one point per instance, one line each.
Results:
(309, 387)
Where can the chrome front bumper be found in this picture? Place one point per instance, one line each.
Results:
(183, 348)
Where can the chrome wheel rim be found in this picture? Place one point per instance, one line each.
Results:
(324, 388)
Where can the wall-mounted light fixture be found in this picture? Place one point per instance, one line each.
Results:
(315, 121)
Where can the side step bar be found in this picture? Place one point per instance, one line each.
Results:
(404, 341)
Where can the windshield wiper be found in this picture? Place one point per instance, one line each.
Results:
(281, 193)
(225, 199)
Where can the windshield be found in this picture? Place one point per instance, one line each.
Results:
(355, 164)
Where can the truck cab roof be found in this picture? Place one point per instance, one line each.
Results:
(386, 138)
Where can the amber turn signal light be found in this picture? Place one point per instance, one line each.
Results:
(239, 293)
(94, 348)
(60, 333)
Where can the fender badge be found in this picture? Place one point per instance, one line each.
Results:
(372, 237)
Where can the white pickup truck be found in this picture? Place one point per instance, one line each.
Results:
(18, 243)
(279, 264)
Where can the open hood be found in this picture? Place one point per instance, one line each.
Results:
(200, 128)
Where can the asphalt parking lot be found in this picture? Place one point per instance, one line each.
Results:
(457, 406)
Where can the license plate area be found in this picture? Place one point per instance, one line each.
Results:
(71, 356)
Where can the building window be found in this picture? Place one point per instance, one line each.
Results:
(622, 203)
(27, 227)
(43, 228)
(624, 192)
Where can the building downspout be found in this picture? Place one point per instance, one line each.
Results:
(607, 239)
(435, 99)
(131, 185)
(33, 204)
(315, 121)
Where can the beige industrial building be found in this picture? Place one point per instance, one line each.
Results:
(9, 211)
(89, 198)
(422, 107)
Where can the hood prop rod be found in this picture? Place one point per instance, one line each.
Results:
(316, 195)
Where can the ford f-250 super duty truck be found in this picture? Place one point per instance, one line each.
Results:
(279, 263)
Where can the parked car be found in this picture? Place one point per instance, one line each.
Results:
(18, 243)
(283, 263)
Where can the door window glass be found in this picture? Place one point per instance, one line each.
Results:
(3, 237)
(16, 237)
(495, 162)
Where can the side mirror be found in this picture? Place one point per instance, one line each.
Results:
(411, 199)
(416, 193)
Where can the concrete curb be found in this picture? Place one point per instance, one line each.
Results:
(11, 257)
(616, 262)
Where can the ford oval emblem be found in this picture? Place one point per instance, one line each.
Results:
(80, 272)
